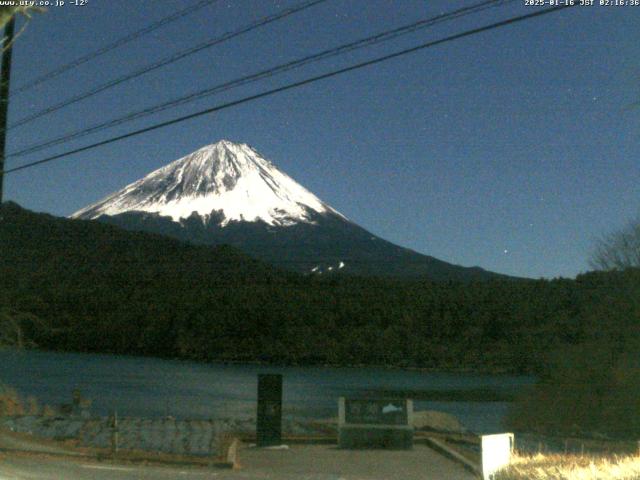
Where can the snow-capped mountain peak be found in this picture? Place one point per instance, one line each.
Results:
(225, 178)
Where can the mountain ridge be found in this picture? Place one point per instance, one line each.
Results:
(227, 193)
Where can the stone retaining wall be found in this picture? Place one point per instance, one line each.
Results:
(167, 435)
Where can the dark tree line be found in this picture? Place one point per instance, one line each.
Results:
(98, 288)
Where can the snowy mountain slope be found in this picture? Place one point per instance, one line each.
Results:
(230, 179)
(227, 193)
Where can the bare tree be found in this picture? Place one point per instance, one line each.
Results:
(618, 250)
(6, 13)
(12, 328)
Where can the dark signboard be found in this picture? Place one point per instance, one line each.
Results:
(376, 411)
(375, 423)
(269, 424)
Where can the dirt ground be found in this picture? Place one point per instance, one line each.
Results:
(299, 462)
(329, 462)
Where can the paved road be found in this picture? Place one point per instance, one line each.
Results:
(49, 468)
(310, 462)
(14, 441)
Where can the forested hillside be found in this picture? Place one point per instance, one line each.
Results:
(85, 286)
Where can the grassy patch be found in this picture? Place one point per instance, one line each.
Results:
(571, 467)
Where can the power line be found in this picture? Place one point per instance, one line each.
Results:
(291, 86)
(323, 55)
(112, 46)
(166, 61)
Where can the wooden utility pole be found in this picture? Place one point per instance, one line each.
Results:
(5, 77)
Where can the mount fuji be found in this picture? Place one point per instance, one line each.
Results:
(227, 193)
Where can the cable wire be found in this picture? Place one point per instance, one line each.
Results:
(323, 55)
(166, 61)
(112, 46)
(293, 85)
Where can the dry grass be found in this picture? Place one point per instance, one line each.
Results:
(571, 467)
(10, 402)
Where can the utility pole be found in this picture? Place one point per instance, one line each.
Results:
(5, 77)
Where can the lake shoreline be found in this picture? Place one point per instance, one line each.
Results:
(267, 364)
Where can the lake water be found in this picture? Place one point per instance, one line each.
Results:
(150, 387)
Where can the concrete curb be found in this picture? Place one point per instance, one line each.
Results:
(442, 448)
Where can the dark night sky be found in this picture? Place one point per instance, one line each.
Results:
(512, 149)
